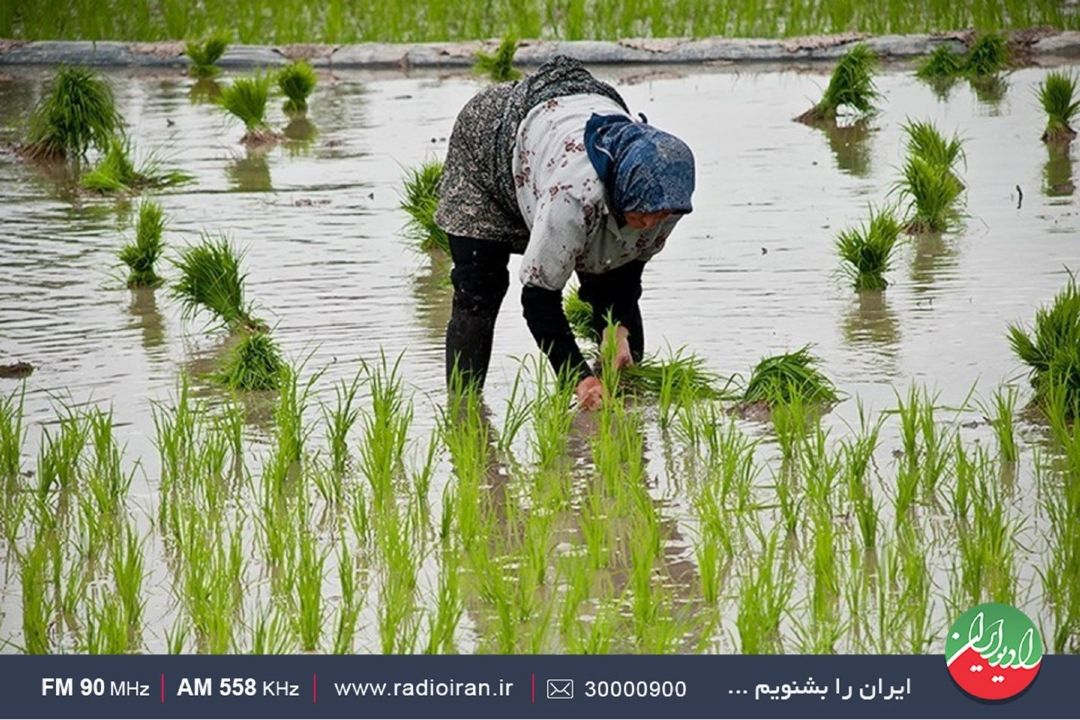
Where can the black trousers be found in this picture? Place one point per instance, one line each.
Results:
(481, 278)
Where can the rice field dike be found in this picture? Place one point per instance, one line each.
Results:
(224, 420)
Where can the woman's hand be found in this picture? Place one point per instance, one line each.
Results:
(590, 393)
(623, 356)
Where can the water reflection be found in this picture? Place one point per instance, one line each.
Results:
(250, 172)
(144, 310)
(433, 294)
(1058, 171)
(204, 91)
(869, 320)
(848, 143)
(990, 90)
(933, 254)
(300, 133)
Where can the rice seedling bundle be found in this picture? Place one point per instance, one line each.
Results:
(780, 379)
(500, 65)
(143, 252)
(579, 314)
(987, 55)
(420, 201)
(867, 251)
(1057, 94)
(932, 192)
(296, 81)
(941, 64)
(851, 85)
(204, 55)
(926, 141)
(1052, 349)
(254, 363)
(117, 171)
(245, 99)
(211, 281)
(77, 113)
(681, 376)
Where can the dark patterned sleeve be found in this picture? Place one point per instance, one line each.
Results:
(547, 322)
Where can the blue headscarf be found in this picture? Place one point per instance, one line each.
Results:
(643, 169)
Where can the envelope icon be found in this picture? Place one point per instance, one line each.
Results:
(560, 689)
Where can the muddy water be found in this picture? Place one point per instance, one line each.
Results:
(751, 272)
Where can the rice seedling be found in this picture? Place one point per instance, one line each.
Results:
(932, 192)
(141, 254)
(36, 607)
(245, 99)
(12, 437)
(764, 596)
(851, 86)
(498, 66)
(212, 571)
(914, 591)
(778, 379)
(420, 200)
(204, 55)
(681, 376)
(941, 64)
(309, 601)
(128, 570)
(385, 430)
(58, 466)
(350, 605)
(988, 55)
(987, 556)
(1061, 572)
(1056, 94)
(296, 81)
(1003, 422)
(1052, 349)
(117, 173)
(211, 281)
(272, 634)
(254, 363)
(78, 112)
(340, 421)
(867, 251)
(579, 314)
(106, 632)
(925, 141)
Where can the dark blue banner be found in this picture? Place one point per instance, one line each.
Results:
(362, 686)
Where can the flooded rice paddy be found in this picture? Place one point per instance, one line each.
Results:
(752, 272)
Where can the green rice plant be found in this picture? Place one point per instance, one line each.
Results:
(350, 604)
(128, 570)
(941, 64)
(143, 252)
(851, 85)
(36, 606)
(309, 601)
(914, 586)
(420, 200)
(1057, 95)
(449, 605)
(681, 376)
(1052, 349)
(213, 567)
(12, 437)
(926, 141)
(117, 173)
(245, 99)
(106, 630)
(398, 618)
(211, 281)
(500, 65)
(340, 421)
(59, 458)
(867, 251)
(987, 552)
(176, 637)
(932, 192)
(764, 596)
(204, 55)
(776, 380)
(77, 112)
(1004, 422)
(385, 430)
(272, 634)
(254, 363)
(1061, 571)
(579, 314)
(989, 54)
(296, 81)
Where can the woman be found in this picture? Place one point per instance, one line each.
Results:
(553, 167)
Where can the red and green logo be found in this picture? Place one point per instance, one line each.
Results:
(993, 651)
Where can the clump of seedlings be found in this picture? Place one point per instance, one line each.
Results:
(204, 55)
(77, 113)
(117, 173)
(851, 86)
(1056, 94)
(141, 254)
(931, 191)
(866, 251)
(211, 281)
(1052, 349)
(499, 66)
(254, 363)
(420, 201)
(790, 377)
(989, 54)
(926, 141)
(245, 99)
(941, 64)
(579, 314)
(296, 81)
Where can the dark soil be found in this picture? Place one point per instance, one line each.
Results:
(16, 370)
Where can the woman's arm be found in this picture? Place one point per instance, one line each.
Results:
(617, 291)
(544, 315)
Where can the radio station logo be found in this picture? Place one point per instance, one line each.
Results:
(993, 651)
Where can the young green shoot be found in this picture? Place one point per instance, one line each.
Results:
(867, 251)
(211, 281)
(776, 380)
(141, 254)
(1052, 349)
(988, 55)
(296, 81)
(245, 99)
(926, 141)
(420, 200)
(204, 55)
(941, 64)
(117, 172)
(253, 363)
(499, 66)
(76, 113)
(1057, 94)
(931, 192)
(851, 86)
